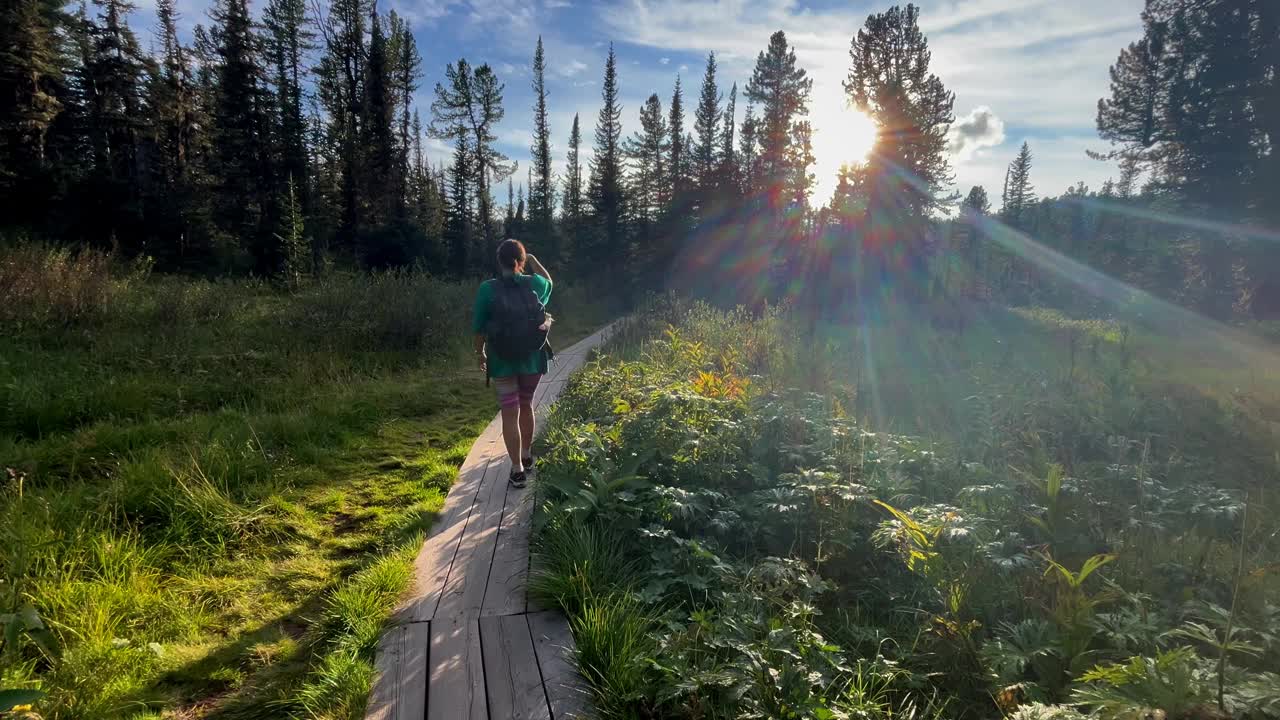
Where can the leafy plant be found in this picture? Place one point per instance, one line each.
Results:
(1170, 683)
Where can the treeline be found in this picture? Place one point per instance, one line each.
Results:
(241, 153)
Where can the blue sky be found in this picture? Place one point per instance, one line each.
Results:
(1021, 69)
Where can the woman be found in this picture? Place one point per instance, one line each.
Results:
(514, 379)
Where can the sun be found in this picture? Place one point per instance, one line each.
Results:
(842, 135)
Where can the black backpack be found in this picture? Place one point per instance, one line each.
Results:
(515, 316)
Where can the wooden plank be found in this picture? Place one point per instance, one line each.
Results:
(412, 701)
(567, 694)
(464, 590)
(512, 678)
(432, 567)
(386, 683)
(456, 690)
(509, 573)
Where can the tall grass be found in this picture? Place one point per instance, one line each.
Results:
(223, 481)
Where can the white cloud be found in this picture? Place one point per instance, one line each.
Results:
(981, 128)
(571, 68)
(684, 68)
(664, 61)
(557, 4)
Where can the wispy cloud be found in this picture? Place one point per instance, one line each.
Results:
(571, 68)
(664, 61)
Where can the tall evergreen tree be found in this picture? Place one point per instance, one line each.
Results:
(540, 190)
(340, 86)
(890, 80)
(174, 205)
(407, 71)
(608, 203)
(706, 124)
(781, 89)
(288, 41)
(246, 185)
(116, 127)
(647, 150)
(381, 197)
(458, 223)
(748, 150)
(678, 161)
(1019, 196)
(30, 79)
(573, 200)
(728, 162)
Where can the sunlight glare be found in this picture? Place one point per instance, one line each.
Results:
(842, 135)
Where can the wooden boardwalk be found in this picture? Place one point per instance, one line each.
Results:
(467, 643)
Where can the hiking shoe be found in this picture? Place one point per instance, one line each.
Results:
(528, 464)
(518, 479)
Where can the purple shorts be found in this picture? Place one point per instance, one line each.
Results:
(514, 390)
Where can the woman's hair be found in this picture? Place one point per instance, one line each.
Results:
(510, 254)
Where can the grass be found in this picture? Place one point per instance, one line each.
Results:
(218, 488)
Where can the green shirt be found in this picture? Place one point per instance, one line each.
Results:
(498, 367)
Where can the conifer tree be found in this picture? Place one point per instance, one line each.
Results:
(890, 80)
(727, 179)
(540, 190)
(340, 85)
(706, 124)
(380, 196)
(781, 89)
(288, 41)
(241, 138)
(30, 78)
(748, 150)
(976, 201)
(459, 231)
(573, 201)
(407, 71)
(677, 161)
(1018, 193)
(605, 192)
(647, 149)
(116, 127)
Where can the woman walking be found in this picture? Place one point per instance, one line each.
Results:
(510, 327)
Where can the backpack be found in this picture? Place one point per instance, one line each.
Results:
(515, 318)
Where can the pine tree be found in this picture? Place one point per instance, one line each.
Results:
(1018, 195)
(890, 80)
(748, 150)
(241, 138)
(116, 128)
(647, 150)
(340, 86)
(407, 69)
(380, 194)
(573, 200)
(292, 239)
(288, 41)
(706, 123)
(781, 89)
(458, 223)
(727, 175)
(492, 163)
(508, 224)
(540, 190)
(677, 161)
(172, 206)
(30, 79)
(605, 192)
(976, 201)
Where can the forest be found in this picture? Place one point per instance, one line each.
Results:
(917, 450)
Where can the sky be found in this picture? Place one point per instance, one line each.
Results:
(1021, 70)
